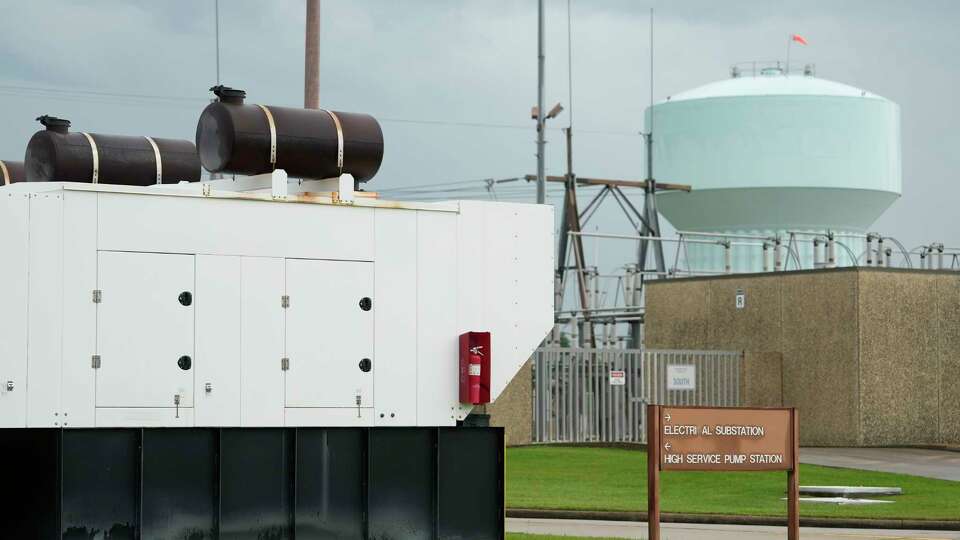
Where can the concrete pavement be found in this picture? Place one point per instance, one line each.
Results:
(685, 531)
(941, 464)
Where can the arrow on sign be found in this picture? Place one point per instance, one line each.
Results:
(666, 417)
(667, 446)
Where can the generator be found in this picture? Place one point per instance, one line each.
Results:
(260, 357)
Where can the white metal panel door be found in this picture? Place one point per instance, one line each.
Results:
(45, 315)
(261, 341)
(395, 339)
(329, 334)
(79, 337)
(438, 400)
(14, 222)
(145, 330)
(218, 320)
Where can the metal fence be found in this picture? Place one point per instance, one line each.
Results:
(600, 395)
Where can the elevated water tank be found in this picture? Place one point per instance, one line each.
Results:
(769, 152)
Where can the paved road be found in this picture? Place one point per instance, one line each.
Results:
(918, 462)
(683, 531)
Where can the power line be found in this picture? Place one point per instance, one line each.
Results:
(55, 99)
(440, 184)
(504, 185)
(500, 126)
(99, 96)
(483, 190)
(482, 186)
(451, 123)
(97, 93)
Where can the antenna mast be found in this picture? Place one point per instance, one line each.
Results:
(216, 24)
(651, 217)
(541, 181)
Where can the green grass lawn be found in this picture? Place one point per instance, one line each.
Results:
(616, 479)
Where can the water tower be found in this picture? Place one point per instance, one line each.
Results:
(769, 152)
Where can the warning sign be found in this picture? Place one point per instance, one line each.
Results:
(618, 377)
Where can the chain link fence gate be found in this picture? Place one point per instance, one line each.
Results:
(600, 395)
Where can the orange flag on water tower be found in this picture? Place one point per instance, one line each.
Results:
(798, 38)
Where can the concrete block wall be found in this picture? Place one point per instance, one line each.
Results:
(948, 348)
(761, 379)
(513, 409)
(909, 350)
(871, 357)
(819, 325)
(898, 360)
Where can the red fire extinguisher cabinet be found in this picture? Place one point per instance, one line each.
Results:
(475, 368)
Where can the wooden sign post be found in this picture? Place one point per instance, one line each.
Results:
(722, 439)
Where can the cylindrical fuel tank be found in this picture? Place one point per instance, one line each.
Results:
(238, 138)
(11, 171)
(56, 154)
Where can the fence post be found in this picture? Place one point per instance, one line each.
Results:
(653, 472)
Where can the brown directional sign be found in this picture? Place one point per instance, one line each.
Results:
(702, 439)
(722, 439)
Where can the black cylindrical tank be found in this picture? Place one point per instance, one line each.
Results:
(237, 138)
(11, 171)
(56, 154)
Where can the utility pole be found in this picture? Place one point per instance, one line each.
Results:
(570, 222)
(645, 220)
(216, 35)
(311, 57)
(541, 181)
(651, 217)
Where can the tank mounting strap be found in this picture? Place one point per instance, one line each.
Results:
(6, 173)
(96, 156)
(273, 135)
(156, 154)
(336, 122)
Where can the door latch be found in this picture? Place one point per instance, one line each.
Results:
(176, 403)
(359, 400)
(208, 387)
(9, 386)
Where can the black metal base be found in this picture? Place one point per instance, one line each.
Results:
(258, 484)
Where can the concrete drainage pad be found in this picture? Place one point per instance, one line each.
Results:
(841, 500)
(847, 491)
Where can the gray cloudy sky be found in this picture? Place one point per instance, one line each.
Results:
(472, 64)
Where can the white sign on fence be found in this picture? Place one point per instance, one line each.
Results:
(741, 299)
(682, 377)
(605, 411)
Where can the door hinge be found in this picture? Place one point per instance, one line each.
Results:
(97, 296)
(285, 364)
(95, 361)
(285, 301)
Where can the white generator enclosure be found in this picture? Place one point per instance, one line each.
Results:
(155, 307)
